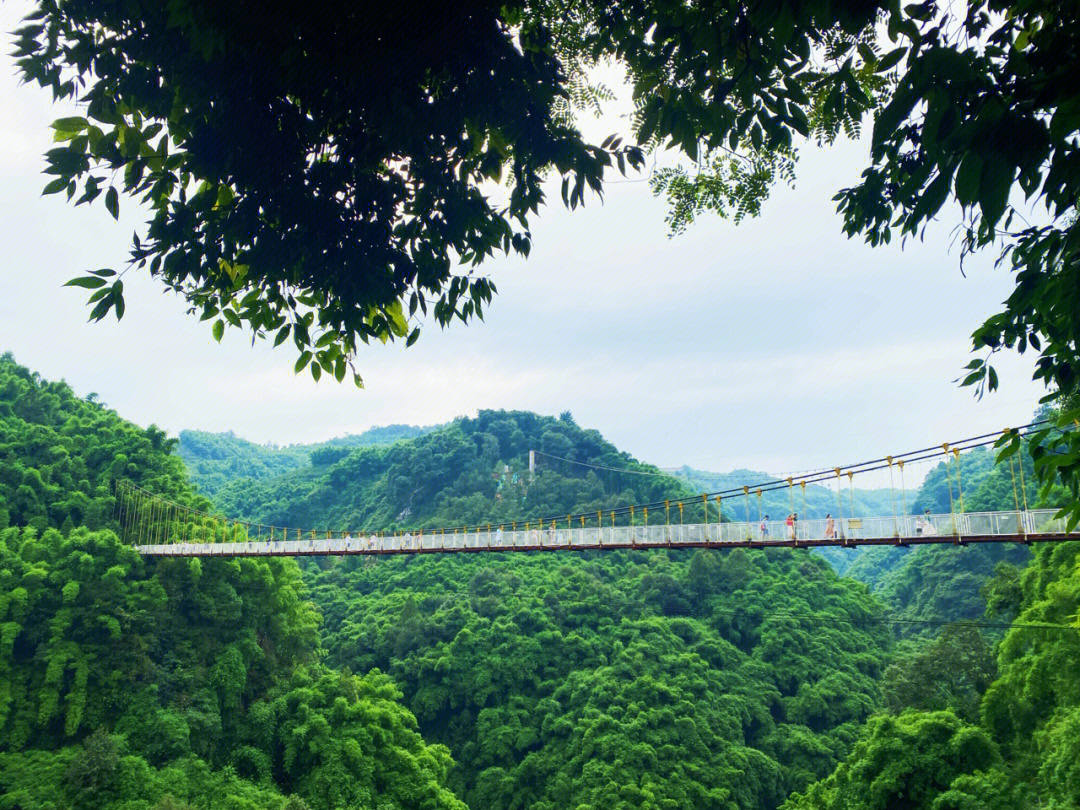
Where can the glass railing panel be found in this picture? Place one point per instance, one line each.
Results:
(886, 527)
(1042, 521)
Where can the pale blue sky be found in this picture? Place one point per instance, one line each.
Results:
(776, 344)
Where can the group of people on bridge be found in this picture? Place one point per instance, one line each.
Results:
(791, 526)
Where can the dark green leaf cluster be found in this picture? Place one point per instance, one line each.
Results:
(950, 672)
(296, 184)
(320, 198)
(918, 760)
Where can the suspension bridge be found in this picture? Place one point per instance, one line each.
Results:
(159, 527)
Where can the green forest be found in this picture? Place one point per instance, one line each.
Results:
(933, 677)
(215, 459)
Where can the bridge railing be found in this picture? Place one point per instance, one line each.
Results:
(851, 530)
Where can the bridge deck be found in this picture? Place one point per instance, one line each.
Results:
(982, 527)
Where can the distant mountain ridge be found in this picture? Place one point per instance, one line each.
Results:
(466, 472)
(820, 500)
(215, 459)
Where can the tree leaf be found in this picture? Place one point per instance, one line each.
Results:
(112, 202)
(55, 186)
(995, 184)
(72, 124)
(968, 178)
(890, 60)
(87, 282)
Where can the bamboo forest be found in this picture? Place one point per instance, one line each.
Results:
(651, 678)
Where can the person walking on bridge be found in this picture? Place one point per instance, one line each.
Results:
(928, 527)
(830, 527)
(764, 527)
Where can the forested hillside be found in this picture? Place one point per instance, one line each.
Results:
(214, 459)
(934, 582)
(143, 685)
(522, 666)
(470, 471)
(977, 720)
(1018, 746)
(626, 680)
(60, 454)
(629, 680)
(645, 679)
(649, 679)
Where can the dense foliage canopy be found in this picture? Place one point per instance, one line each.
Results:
(214, 459)
(469, 472)
(641, 679)
(1023, 753)
(134, 684)
(59, 455)
(623, 680)
(523, 666)
(1022, 695)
